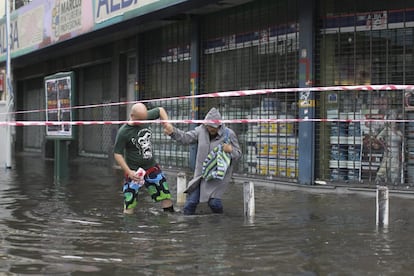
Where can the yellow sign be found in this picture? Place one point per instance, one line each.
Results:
(307, 103)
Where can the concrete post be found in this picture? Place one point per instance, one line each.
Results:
(382, 215)
(61, 165)
(248, 198)
(181, 186)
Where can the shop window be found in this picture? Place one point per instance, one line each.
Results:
(164, 72)
(255, 46)
(371, 46)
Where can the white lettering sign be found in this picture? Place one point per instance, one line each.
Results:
(24, 31)
(67, 16)
(107, 9)
(377, 20)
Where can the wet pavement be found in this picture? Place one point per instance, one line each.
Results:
(76, 227)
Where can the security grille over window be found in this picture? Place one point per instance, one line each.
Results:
(164, 71)
(255, 46)
(95, 140)
(370, 42)
(33, 137)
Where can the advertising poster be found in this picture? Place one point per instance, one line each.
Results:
(59, 102)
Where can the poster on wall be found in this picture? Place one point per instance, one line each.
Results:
(59, 94)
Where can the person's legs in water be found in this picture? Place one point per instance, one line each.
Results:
(216, 205)
(130, 191)
(192, 201)
(158, 188)
(167, 205)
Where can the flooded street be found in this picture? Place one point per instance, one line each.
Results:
(77, 227)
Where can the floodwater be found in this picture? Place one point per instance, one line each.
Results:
(76, 227)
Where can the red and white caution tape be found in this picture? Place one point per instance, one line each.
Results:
(234, 121)
(240, 93)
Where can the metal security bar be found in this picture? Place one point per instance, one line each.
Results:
(164, 71)
(248, 47)
(255, 46)
(95, 140)
(365, 43)
(364, 136)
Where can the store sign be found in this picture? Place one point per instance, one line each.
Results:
(25, 32)
(107, 9)
(59, 101)
(56, 20)
(367, 21)
(377, 20)
(66, 16)
(14, 35)
(45, 22)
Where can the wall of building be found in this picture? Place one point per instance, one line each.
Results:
(254, 46)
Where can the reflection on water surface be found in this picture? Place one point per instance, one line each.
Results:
(77, 227)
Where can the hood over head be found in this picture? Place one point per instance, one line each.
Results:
(213, 114)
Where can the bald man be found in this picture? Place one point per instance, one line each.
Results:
(132, 151)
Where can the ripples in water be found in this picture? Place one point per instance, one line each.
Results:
(77, 227)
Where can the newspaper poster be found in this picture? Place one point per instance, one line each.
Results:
(59, 102)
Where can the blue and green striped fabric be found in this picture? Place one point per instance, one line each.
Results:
(216, 164)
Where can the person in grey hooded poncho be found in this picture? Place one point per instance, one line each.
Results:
(208, 136)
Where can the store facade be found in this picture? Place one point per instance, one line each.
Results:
(372, 44)
(204, 48)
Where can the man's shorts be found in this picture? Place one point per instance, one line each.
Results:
(130, 190)
(155, 183)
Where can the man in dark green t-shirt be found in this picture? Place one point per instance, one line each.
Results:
(134, 153)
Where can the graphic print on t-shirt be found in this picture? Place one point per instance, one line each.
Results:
(142, 142)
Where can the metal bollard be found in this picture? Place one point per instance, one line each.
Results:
(382, 206)
(181, 186)
(248, 196)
